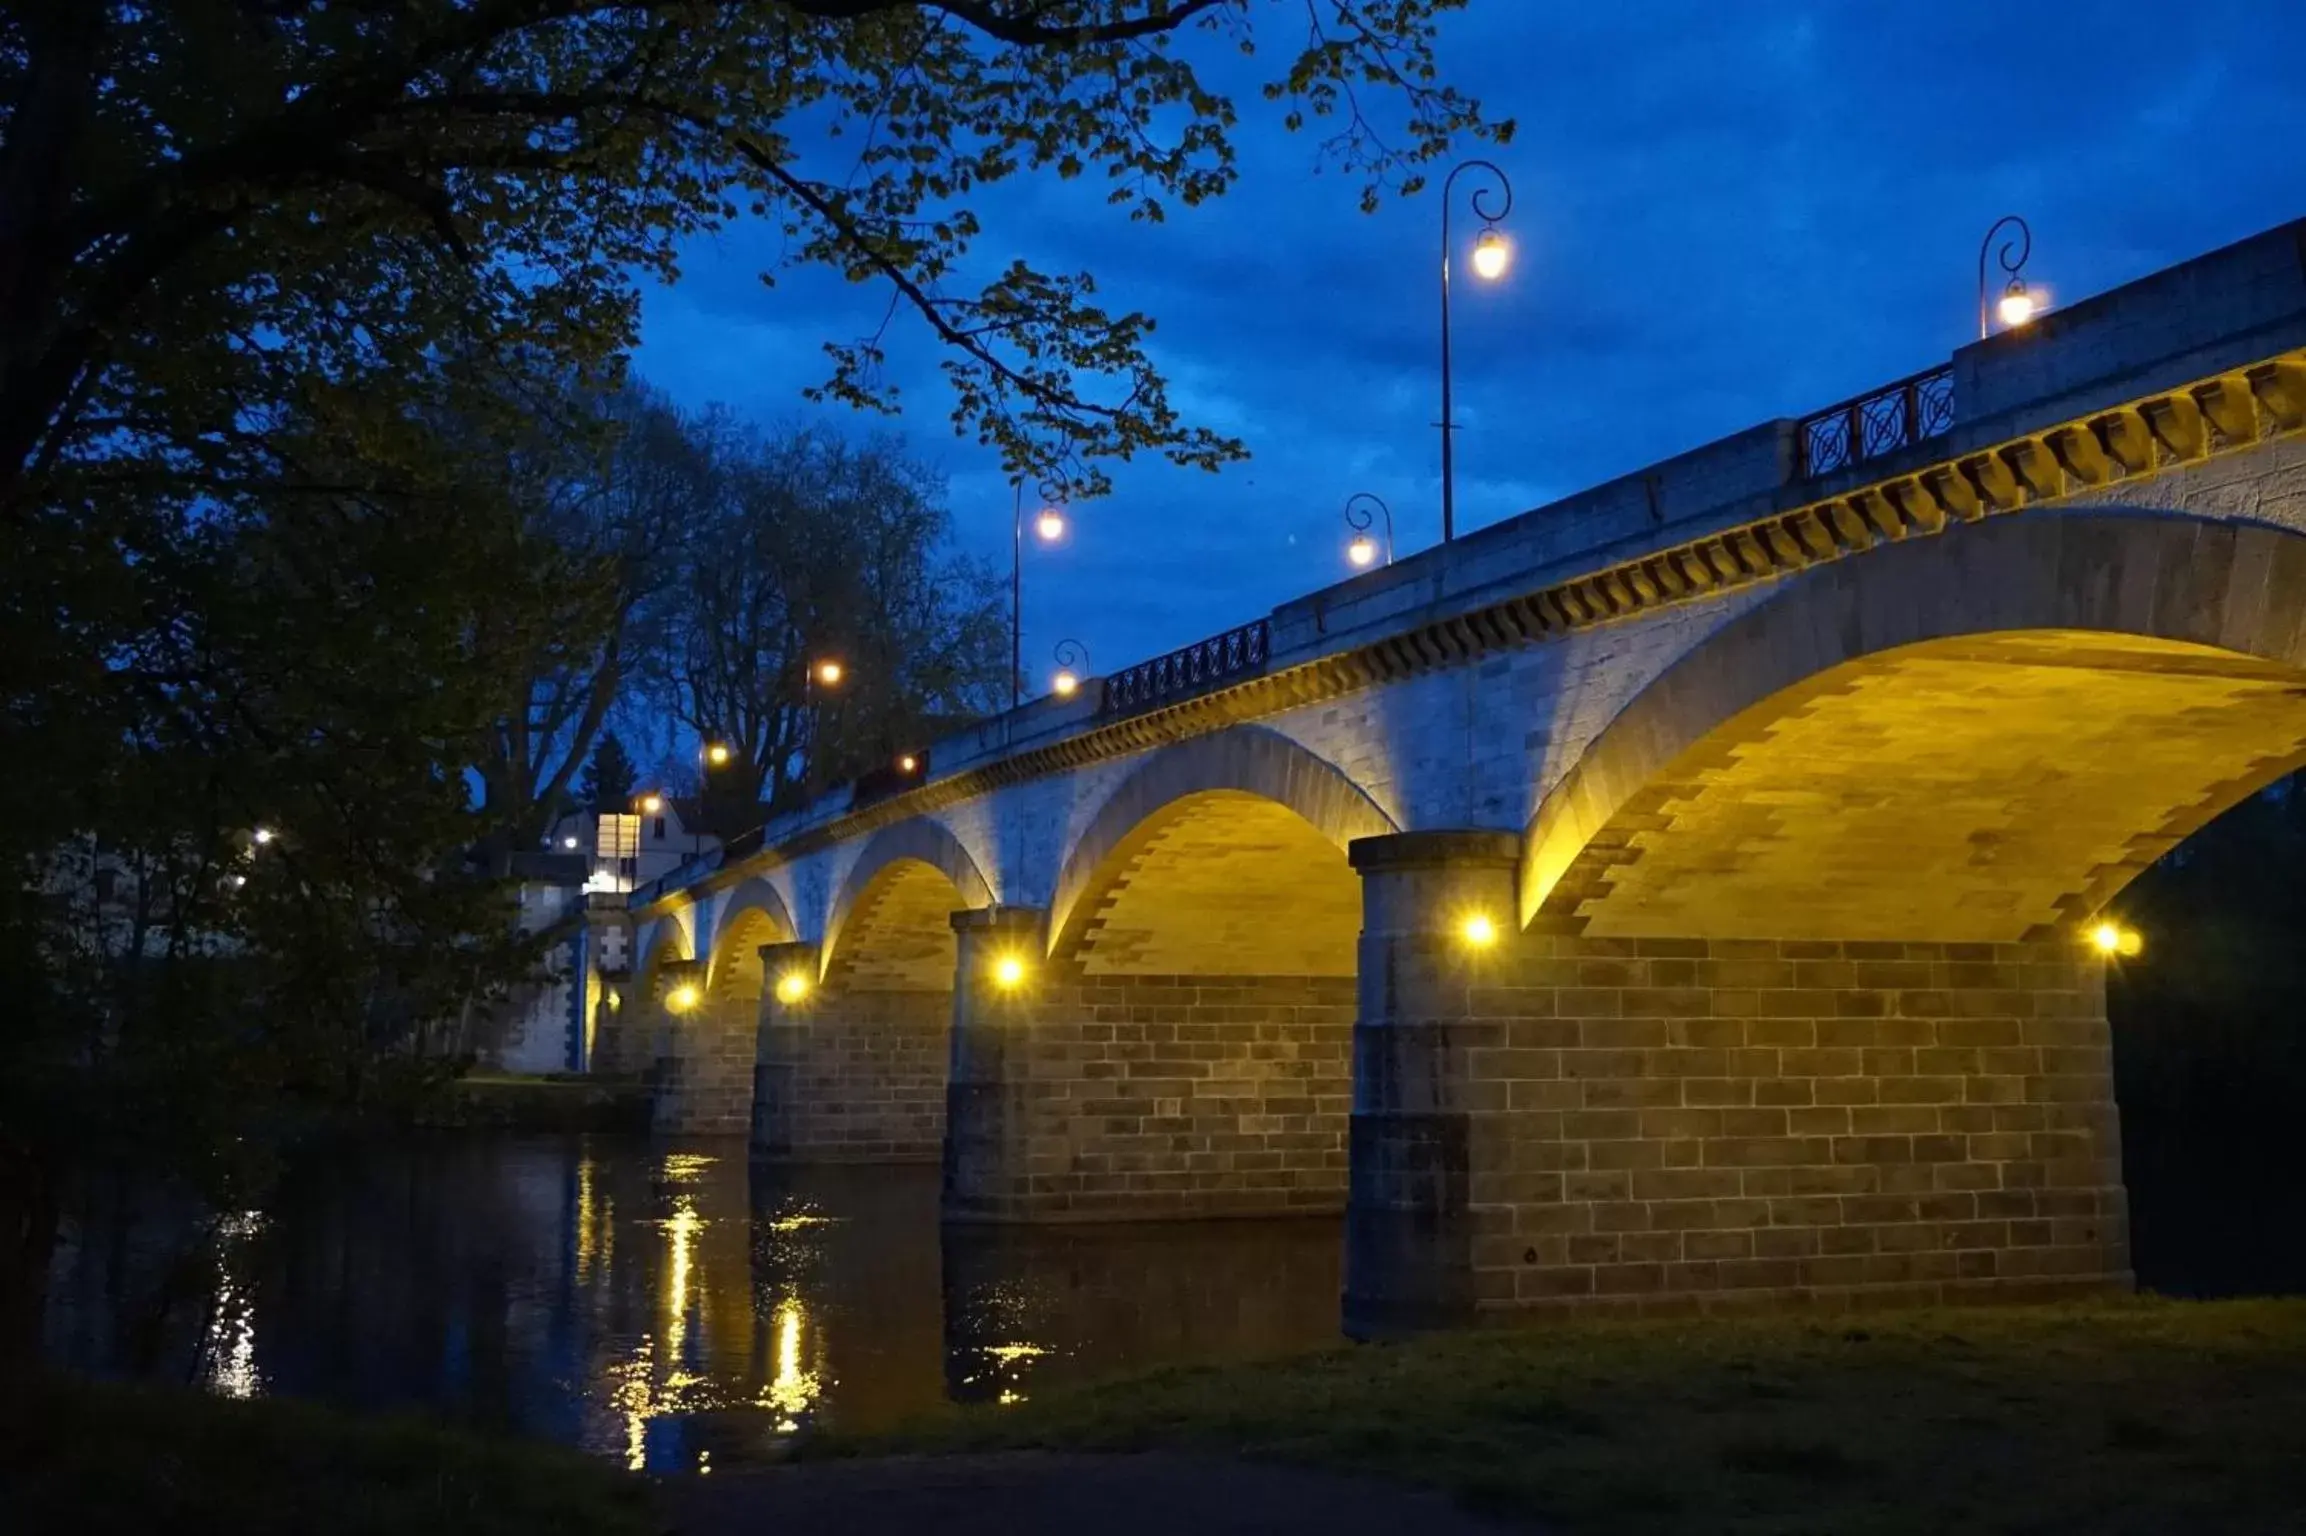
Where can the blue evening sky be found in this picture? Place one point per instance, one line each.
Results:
(1723, 213)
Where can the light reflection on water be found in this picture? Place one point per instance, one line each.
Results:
(674, 1308)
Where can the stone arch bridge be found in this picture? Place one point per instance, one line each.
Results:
(1674, 897)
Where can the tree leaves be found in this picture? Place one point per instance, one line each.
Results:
(361, 180)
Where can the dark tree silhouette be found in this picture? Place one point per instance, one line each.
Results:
(610, 776)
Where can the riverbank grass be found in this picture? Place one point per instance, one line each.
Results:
(92, 1460)
(2126, 1417)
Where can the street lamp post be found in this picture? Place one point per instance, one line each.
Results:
(1490, 255)
(1072, 667)
(713, 754)
(2017, 302)
(1048, 527)
(1363, 549)
(827, 672)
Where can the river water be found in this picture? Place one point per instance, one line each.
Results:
(667, 1305)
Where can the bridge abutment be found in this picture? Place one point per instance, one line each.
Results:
(843, 1073)
(1648, 1125)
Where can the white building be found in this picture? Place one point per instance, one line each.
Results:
(589, 859)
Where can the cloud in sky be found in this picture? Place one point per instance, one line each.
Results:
(1722, 214)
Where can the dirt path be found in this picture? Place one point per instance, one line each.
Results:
(1035, 1493)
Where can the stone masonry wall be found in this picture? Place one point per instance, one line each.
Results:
(1151, 1097)
(854, 1076)
(704, 1081)
(621, 1038)
(1664, 1125)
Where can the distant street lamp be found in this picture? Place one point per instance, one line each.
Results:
(1363, 550)
(1072, 666)
(824, 672)
(717, 754)
(2018, 304)
(1048, 527)
(1491, 256)
(651, 804)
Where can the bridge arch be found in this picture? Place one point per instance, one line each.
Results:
(2012, 719)
(753, 914)
(890, 926)
(667, 939)
(1244, 821)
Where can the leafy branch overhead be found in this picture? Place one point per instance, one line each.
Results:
(194, 244)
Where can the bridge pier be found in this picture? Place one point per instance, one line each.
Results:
(704, 1057)
(1108, 1097)
(845, 1073)
(1652, 1125)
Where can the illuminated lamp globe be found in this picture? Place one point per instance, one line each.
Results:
(828, 672)
(908, 764)
(717, 754)
(1049, 527)
(1065, 684)
(1009, 971)
(1491, 256)
(1479, 931)
(651, 804)
(1362, 551)
(568, 842)
(262, 835)
(792, 987)
(682, 998)
(2017, 307)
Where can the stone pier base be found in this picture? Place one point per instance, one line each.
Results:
(704, 1072)
(1653, 1125)
(849, 1075)
(1129, 1098)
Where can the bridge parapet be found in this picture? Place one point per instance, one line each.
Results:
(2191, 362)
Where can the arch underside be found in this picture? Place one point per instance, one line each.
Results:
(1987, 788)
(736, 969)
(898, 934)
(671, 943)
(1224, 883)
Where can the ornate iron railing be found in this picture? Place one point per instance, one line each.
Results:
(1205, 664)
(1910, 411)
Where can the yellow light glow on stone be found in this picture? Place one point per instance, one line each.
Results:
(792, 987)
(1491, 256)
(683, 997)
(1009, 972)
(2110, 939)
(1479, 930)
